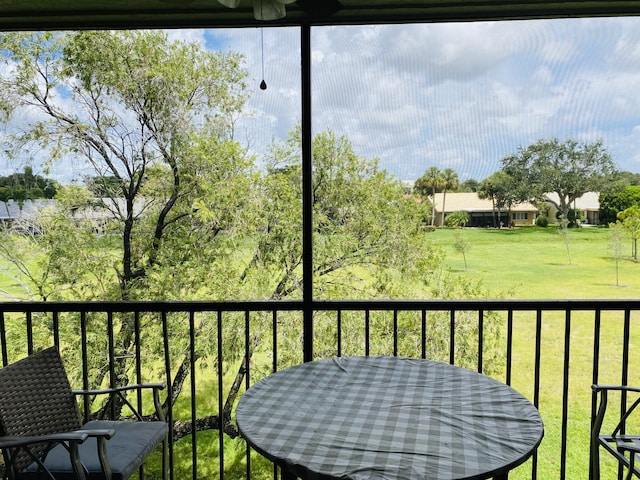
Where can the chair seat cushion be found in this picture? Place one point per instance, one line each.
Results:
(126, 450)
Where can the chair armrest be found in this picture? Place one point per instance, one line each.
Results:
(78, 436)
(107, 433)
(121, 391)
(624, 388)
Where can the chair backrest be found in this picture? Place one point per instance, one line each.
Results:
(36, 399)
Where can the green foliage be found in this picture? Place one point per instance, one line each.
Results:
(629, 220)
(573, 218)
(26, 186)
(469, 185)
(542, 221)
(570, 169)
(503, 190)
(457, 219)
(613, 202)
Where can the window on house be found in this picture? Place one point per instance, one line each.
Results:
(520, 215)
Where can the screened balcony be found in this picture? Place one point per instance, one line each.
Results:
(200, 349)
(209, 353)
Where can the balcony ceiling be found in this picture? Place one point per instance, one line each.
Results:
(78, 14)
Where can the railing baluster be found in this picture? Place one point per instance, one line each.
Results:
(192, 385)
(55, 325)
(29, 320)
(220, 403)
(423, 334)
(395, 333)
(452, 337)
(536, 382)
(274, 341)
(247, 373)
(339, 333)
(367, 332)
(3, 339)
(565, 394)
(138, 343)
(167, 366)
(480, 339)
(85, 360)
(509, 345)
(595, 373)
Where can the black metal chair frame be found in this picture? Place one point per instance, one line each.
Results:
(23, 450)
(620, 445)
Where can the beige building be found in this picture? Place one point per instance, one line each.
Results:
(481, 211)
(588, 205)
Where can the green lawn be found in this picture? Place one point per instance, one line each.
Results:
(532, 262)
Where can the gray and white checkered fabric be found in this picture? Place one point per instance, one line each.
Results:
(388, 418)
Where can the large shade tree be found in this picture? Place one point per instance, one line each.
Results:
(569, 168)
(156, 118)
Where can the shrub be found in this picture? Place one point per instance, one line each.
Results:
(457, 219)
(542, 221)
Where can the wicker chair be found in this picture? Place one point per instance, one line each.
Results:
(622, 446)
(42, 437)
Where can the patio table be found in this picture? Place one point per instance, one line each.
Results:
(388, 418)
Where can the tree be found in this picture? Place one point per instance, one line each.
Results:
(361, 218)
(614, 202)
(629, 220)
(563, 230)
(615, 244)
(469, 185)
(159, 117)
(430, 183)
(570, 169)
(450, 181)
(503, 191)
(462, 245)
(103, 186)
(28, 185)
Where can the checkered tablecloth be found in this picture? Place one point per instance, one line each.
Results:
(388, 418)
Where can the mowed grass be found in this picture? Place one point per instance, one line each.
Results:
(533, 263)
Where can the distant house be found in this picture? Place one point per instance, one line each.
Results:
(97, 213)
(588, 205)
(481, 212)
(11, 210)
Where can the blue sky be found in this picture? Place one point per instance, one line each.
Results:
(456, 95)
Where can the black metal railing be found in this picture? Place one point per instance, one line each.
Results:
(209, 352)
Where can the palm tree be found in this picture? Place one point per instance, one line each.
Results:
(450, 182)
(428, 185)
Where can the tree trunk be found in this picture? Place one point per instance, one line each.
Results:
(444, 196)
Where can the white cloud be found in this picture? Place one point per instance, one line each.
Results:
(460, 95)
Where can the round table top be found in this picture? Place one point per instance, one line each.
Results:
(388, 418)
